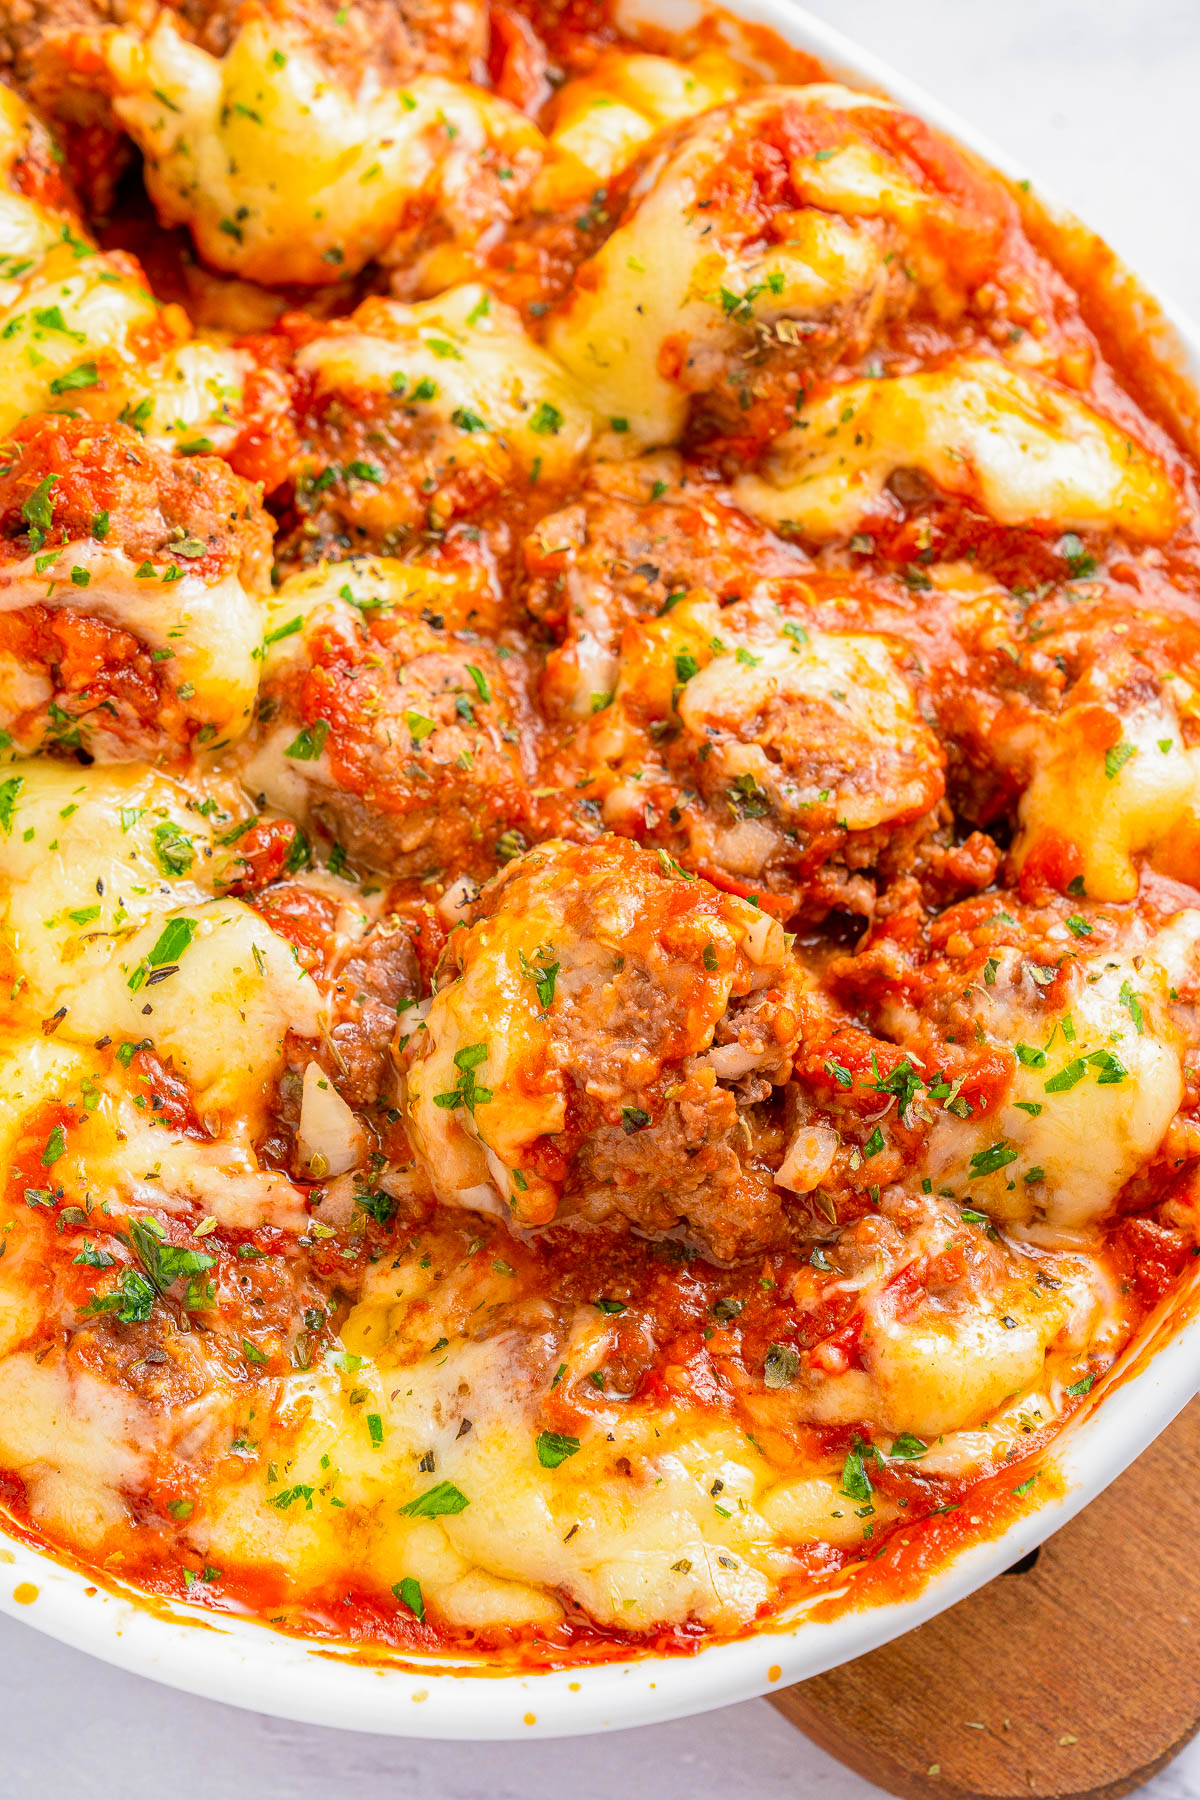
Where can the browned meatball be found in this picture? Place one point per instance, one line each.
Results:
(130, 579)
(611, 1036)
(389, 722)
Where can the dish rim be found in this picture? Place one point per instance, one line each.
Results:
(246, 1664)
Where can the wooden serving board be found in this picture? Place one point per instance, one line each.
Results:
(1076, 1674)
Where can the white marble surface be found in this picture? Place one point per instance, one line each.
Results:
(1102, 99)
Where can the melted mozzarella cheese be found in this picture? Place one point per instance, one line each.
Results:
(1095, 1085)
(935, 1365)
(1117, 795)
(191, 398)
(1028, 452)
(464, 361)
(602, 119)
(336, 596)
(88, 899)
(530, 1541)
(281, 174)
(74, 321)
(676, 273)
(86, 856)
(34, 1071)
(224, 1015)
(208, 631)
(81, 330)
(77, 1442)
(28, 228)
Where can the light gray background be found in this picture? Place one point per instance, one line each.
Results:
(1102, 99)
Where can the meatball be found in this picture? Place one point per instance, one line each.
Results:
(399, 419)
(764, 750)
(367, 966)
(639, 537)
(1072, 708)
(131, 622)
(1043, 1052)
(388, 720)
(49, 50)
(395, 39)
(608, 1037)
(285, 173)
(766, 242)
(1021, 449)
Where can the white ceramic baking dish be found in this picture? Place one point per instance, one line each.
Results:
(249, 1665)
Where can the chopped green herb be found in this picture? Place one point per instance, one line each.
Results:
(986, 1162)
(1116, 757)
(310, 742)
(554, 1448)
(444, 1499)
(408, 1592)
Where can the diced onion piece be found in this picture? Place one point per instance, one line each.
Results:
(729, 1061)
(331, 1140)
(809, 1158)
(764, 940)
(457, 897)
(480, 1198)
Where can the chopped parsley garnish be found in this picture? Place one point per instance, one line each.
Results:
(170, 945)
(554, 1448)
(408, 1592)
(543, 974)
(1116, 757)
(856, 1483)
(284, 631)
(85, 375)
(1069, 1076)
(165, 1264)
(547, 421)
(986, 1162)
(1079, 561)
(9, 790)
(132, 1300)
(174, 849)
(1133, 1006)
(444, 1499)
(38, 511)
(308, 745)
(467, 1093)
